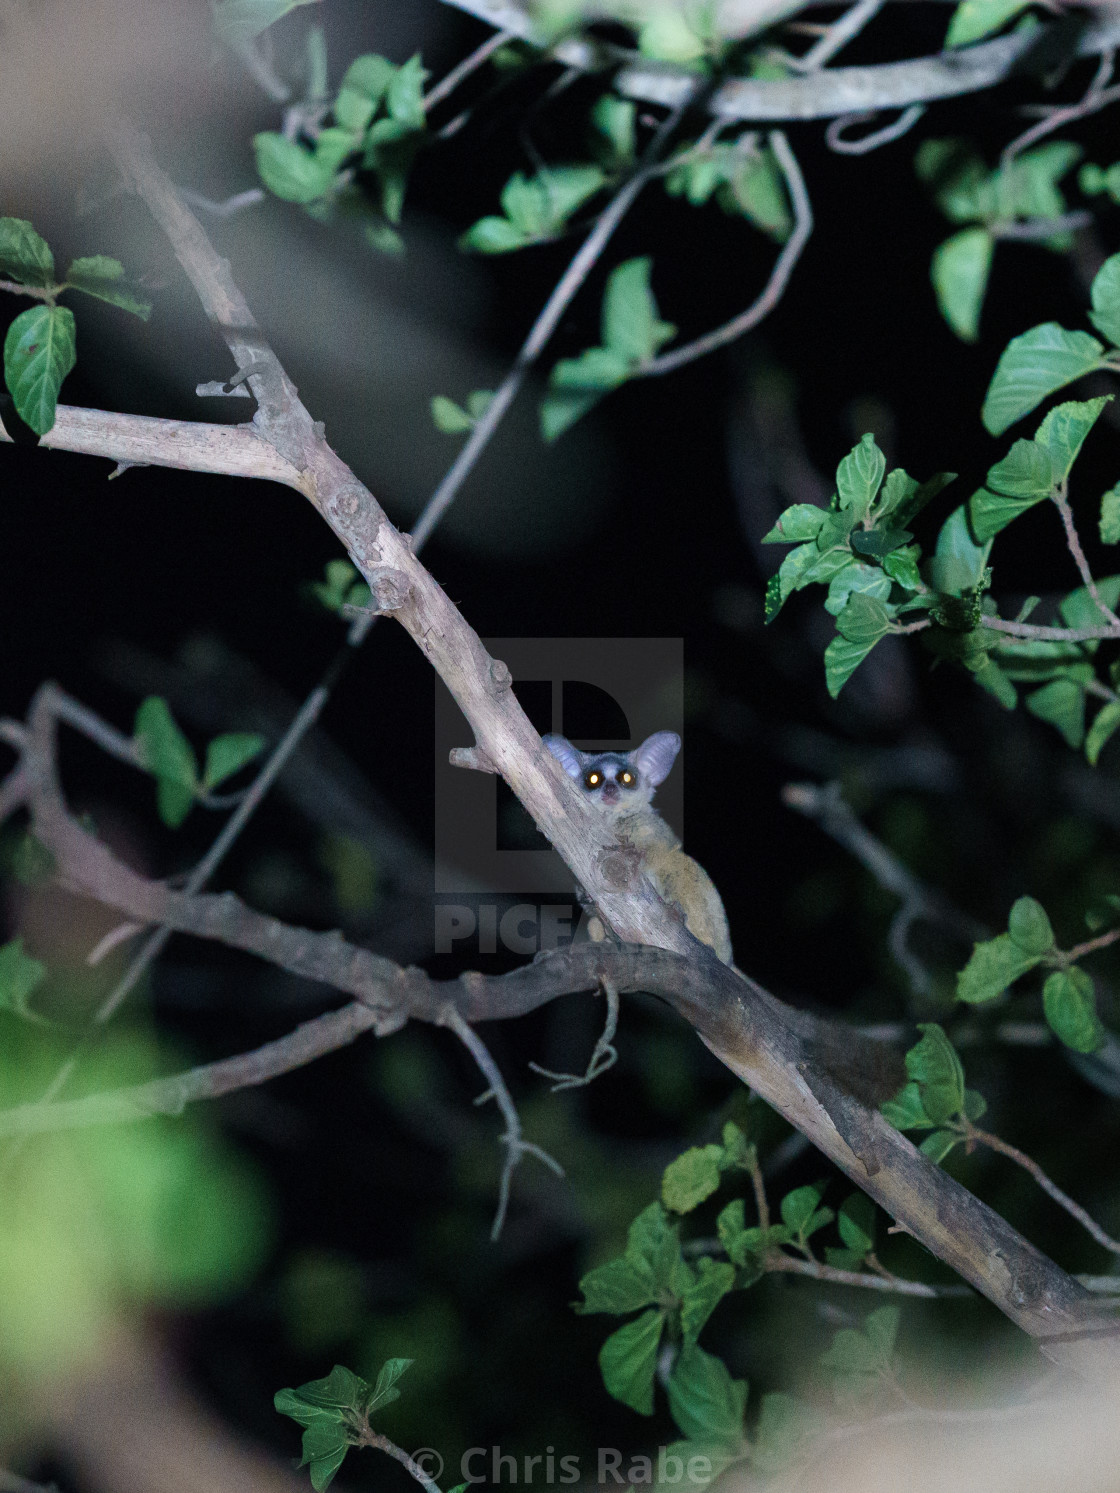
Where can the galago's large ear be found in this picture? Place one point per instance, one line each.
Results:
(656, 755)
(566, 754)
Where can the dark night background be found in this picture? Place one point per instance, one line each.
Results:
(644, 521)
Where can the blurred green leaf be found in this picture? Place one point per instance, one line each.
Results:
(994, 965)
(974, 19)
(362, 89)
(1105, 296)
(576, 384)
(959, 271)
(1029, 926)
(631, 326)
(613, 121)
(706, 1403)
(229, 754)
(1061, 703)
(856, 1223)
(691, 1178)
(618, 1286)
(20, 977)
(1070, 1005)
(1105, 723)
(289, 170)
(628, 1360)
(934, 1066)
(450, 417)
(1110, 516)
(906, 1111)
(169, 756)
(701, 1296)
(101, 276)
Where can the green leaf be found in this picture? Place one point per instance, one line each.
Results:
(706, 1403)
(737, 1150)
(1033, 366)
(653, 1241)
(858, 579)
(628, 1360)
(699, 1299)
(755, 188)
(493, 236)
(856, 1223)
(994, 965)
(1029, 927)
(912, 501)
(864, 618)
(1079, 609)
(239, 21)
(383, 1392)
(340, 1390)
(934, 1066)
(800, 1212)
(667, 37)
(938, 1145)
(450, 417)
(613, 119)
(879, 542)
(168, 755)
(479, 401)
(617, 1286)
(404, 97)
(1105, 294)
(576, 384)
(860, 1359)
(1027, 187)
(39, 351)
(384, 239)
(24, 255)
(20, 977)
(1105, 724)
(1063, 431)
(959, 562)
(989, 513)
(98, 276)
(975, 1105)
(859, 476)
(902, 566)
(785, 1428)
(289, 170)
(1070, 1005)
(974, 19)
(361, 91)
(841, 659)
(631, 327)
(906, 1110)
(690, 1179)
(1061, 703)
(991, 677)
(959, 270)
(1110, 516)
(229, 754)
(1025, 472)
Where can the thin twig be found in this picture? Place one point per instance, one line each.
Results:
(374, 1439)
(838, 35)
(775, 286)
(1096, 96)
(515, 1145)
(834, 135)
(603, 1056)
(540, 332)
(1043, 228)
(1073, 541)
(227, 209)
(1063, 1199)
(758, 1186)
(782, 1264)
(1049, 634)
(448, 84)
(1090, 946)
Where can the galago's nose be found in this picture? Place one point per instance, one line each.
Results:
(611, 793)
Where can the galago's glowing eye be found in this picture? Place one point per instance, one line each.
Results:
(627, 779)
(593, 779)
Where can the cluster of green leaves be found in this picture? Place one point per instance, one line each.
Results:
(162, 748)
(535, 209)
(743, 177)
(1095, 180)
(935, 1097)
(335, 1412)
(40, 347)
(968, 192)
(632, 332)
(859, 547)
(1068, 996)
(20, 977)
(378, 127)
(340, 587)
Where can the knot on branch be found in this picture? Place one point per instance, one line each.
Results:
(618, 869)
(346, 504)
(500, 675)
(389, 589)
